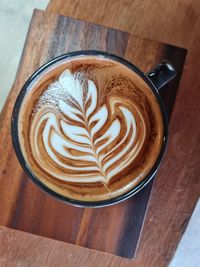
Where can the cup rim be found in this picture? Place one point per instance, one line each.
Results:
(33, 177)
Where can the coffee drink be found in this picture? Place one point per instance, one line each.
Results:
(90, 128)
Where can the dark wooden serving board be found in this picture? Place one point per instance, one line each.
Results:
(23, 205)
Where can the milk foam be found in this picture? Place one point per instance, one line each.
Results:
(70, 134)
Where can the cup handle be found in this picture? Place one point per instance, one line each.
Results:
(162, 74)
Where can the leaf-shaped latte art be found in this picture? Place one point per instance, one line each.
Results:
(82, 140)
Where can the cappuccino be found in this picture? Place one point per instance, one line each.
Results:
(90, 128)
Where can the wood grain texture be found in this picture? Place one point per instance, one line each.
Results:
(24, 206)
(165, 21)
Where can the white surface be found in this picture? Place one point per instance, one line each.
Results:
(188, 251)
(15, 17)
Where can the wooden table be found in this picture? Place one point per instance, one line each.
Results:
(169, 210)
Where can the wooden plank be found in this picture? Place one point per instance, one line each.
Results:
(23, 249)
(24, 206)
(165, 21)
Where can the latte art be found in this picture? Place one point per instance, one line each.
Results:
(90, 128)
(71, 139)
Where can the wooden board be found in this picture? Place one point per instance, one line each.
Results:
(25, 207)
(166, 21)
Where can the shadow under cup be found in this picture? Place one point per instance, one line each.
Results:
(155, 79)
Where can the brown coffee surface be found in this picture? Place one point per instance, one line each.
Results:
(90, 128)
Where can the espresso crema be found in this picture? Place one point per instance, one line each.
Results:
(90, 128)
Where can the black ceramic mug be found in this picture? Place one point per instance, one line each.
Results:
(155, 79)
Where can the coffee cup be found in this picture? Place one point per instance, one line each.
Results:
(90, 128)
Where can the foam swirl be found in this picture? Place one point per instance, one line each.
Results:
(79, 139)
